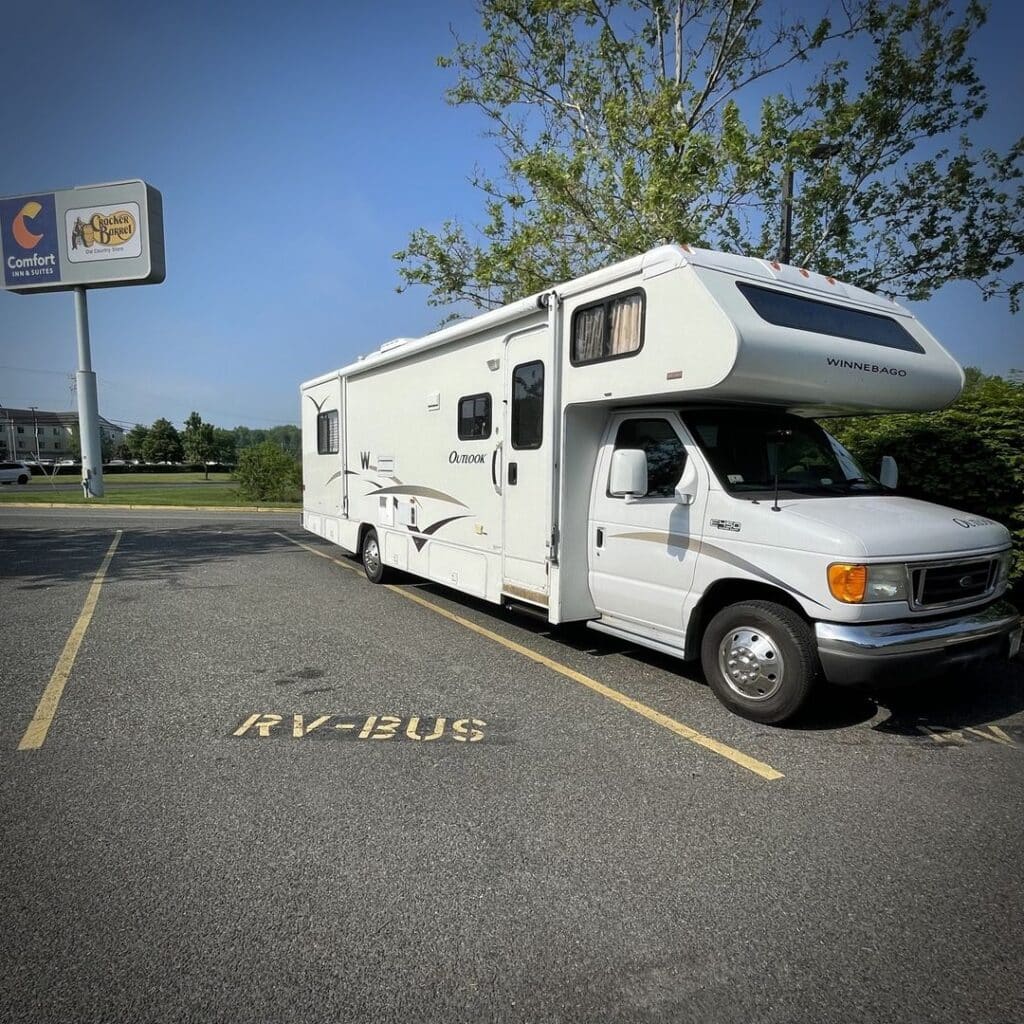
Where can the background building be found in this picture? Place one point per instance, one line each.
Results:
(47, 436)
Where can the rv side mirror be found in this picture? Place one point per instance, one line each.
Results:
(686, 489)
(628, 477)
(889, 474)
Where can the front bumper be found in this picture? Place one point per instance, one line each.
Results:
(883, 652)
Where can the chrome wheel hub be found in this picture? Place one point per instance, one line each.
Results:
(371, 556)
(751, 663)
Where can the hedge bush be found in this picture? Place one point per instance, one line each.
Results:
(267, 473)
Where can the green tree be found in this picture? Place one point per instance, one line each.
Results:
(135, 440)
(969, 456)
(620, 124)
(246, 437)
(266, 473)
(197, 441)
(224, 445)
(163, 443)
(289, 438)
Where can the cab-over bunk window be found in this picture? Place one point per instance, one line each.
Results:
(609, 329)
(786, 310)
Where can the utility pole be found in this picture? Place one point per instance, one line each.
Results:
(35, 430)
(786, 242)
(822, 151)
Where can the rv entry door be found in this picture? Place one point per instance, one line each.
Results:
(526, 467)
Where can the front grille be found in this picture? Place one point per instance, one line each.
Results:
(953, 582)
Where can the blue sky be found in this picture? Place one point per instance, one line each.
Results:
(296, 148)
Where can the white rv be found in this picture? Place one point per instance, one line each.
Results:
(635, 449)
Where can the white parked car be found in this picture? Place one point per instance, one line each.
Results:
(14, 473)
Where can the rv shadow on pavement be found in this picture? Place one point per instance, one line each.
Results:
(969, 697)
(40, 559)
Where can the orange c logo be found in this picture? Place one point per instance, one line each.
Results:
(25, 238)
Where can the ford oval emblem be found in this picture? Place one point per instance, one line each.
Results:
(966, 581)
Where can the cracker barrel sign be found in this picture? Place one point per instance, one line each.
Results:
(95, 236)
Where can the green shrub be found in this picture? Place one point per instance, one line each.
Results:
(266, 473)
(969, 456)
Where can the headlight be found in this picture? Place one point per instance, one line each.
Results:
(862, 584)
(1003, 569)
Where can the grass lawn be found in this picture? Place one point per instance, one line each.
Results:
(112, 479)
(219, 493)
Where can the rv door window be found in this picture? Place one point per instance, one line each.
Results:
(474, 417)
(785, 310)
(327, 434)
(666, 456)
(528, 405)
(608, 329)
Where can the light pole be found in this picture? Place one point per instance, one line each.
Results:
(820, 152)
(35, 430)
(8, 422)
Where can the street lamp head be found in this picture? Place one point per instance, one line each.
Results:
(825, 149)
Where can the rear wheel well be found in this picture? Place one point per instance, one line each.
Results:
(723, 593)
(364, 529)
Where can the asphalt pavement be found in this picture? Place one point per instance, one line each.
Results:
(267, 790)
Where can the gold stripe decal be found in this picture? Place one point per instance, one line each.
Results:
(673, 540)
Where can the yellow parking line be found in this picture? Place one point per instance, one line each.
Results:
(765, 771)
(36, 732)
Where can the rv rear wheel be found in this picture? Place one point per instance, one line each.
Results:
(760, 659)
(373, 562)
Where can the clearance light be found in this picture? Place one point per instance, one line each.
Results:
(848, 582)
(865, 584)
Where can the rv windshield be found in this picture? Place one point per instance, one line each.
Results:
(745, 446)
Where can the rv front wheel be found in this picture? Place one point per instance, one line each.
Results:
(760, 660)
(373, 563)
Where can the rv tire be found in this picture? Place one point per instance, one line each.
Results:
(760, 660)
(373, 561)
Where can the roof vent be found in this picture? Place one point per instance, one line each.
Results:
(395, 343)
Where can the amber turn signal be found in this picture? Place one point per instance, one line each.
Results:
(848, 582)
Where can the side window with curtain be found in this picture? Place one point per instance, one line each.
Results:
(666, 456)
(609, 329)
(528, 405)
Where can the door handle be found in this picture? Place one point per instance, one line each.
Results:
(600, 537)
(495, 474)
(513, 474)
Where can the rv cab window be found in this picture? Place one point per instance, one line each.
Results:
(608, 329)
(666, 456)
(474, 417)
(327, 434)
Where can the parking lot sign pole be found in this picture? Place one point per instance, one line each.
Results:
(88, 406)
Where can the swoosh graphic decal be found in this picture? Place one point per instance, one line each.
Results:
(741, 563)
(356, 472)
(433, 528)
(319, 405)
(679, 540)
(674, 540)
(333, 476)
(421, 492)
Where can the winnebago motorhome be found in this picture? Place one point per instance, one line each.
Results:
(635, 449)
